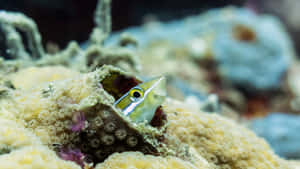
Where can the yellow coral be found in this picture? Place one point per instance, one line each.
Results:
(34, 157)
(34, 106)
(136, 160)
(221, 141)
(14, 136)
(47, 107)
(32, 76)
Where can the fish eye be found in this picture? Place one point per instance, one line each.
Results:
(136, 93)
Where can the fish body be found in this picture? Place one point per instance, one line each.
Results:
(141, 101)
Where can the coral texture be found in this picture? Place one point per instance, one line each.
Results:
(222, 142)
(241, 43)
(136, 160)
(78, 113)
(244, 50)
(21, 45)
(35, 75)
(48, 112)
(14, 136)
(34, 157)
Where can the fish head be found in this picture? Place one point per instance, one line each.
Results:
(141, 101)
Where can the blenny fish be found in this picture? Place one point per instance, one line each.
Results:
(141, 101)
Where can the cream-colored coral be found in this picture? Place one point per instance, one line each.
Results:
(218, 142)
(136, 160)
(34, 157)
(221, 141)
(48, 107)
(14, 136)
(295, 164)
(33, 76)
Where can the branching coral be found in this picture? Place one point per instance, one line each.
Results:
(103, 22)
(21, 40)
(21, 37)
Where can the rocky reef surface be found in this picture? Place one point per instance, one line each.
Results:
(37, 120)
(57, 111)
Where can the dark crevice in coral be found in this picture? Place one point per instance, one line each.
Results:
(117, 85)
(124, 84)
(3, 45)
(5, 150)
(25, 41)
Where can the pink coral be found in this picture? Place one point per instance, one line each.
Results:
(79, 122)
(73, 155)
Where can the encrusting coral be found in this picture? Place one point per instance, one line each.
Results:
(35, 157)
(136, 160)
(66, 118)
(14, 136)
(41, 75)
(78, 113)
(222, 142)
(219, 142)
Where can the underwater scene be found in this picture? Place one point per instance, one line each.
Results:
(160, 84)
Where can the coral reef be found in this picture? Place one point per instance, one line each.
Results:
(214, 142)
(243, 49)
(295, 164)
(220, 141)
(280, 130)
(62, 110)
(235, 38)
(34, 157)
(20, 37)
(22, 47)
(171, 58)
(78, 113)
(35, 75)
(136, 160)
(14, 136)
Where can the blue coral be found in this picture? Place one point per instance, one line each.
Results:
(256, 61)
(282, 133)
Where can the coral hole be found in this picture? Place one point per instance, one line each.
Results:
(117, 84)
(244, 33)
